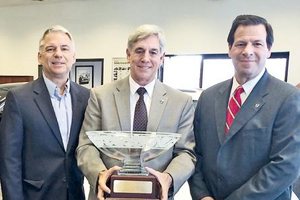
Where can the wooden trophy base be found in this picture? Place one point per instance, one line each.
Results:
(131, 187)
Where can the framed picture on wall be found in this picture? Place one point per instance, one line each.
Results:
(88, 72)
(121, 68)
(84, 75)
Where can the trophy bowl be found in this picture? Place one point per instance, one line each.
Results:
(133, 148)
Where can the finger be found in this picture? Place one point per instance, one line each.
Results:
(105, 175)
(152, 171)
(100, 195)
(104, 188)
(102, 182)
(113, 169)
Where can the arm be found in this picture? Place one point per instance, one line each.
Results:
(11, 144)
(197, 184)
(88, 156)
(284, 165)
(183, 163)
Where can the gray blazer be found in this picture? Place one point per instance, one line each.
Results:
(34, 164)
(259, 158)
(109, 109)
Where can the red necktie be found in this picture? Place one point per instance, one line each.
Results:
(234, 106)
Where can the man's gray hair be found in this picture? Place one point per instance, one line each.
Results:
(53, 29)
(145, 31)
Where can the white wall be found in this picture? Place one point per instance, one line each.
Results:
(101, 28)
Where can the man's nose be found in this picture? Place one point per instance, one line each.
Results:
(146, 56)
(248, 50)
(58, 52)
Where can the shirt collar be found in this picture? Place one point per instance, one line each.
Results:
(249, 85)
(134, 86)
(53, 89)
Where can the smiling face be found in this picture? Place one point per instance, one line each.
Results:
(57, 56)
(249, 51)
(145, 58)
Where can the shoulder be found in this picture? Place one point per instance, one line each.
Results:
(175, 93)
(220, 87)
(24, 89)
(280, 88)
(110, 88)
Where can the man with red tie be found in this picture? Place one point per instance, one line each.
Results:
(247, 128)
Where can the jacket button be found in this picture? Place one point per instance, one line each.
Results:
(64, 179)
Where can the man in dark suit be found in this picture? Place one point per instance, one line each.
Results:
(257, 156)
(111, 107)
(40, 126)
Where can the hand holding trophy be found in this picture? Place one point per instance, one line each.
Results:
(134, 149)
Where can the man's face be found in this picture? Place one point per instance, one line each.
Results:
(57, 56)
(249, 51)
(144, 58)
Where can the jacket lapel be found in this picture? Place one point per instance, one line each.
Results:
(122, 97)
(221, 104)
(158, 104)
(251, 106)
(76, 114)
(43, 101)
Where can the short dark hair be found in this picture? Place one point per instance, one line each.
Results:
(246, 20)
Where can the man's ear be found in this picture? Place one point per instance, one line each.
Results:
(128, 54)
(74, 58)
(162, 58)
(39, 56)
(269, 53)
(229, 48)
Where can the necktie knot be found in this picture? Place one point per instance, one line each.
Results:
(141, 91)
(238, 91)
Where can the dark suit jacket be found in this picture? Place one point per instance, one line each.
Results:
(34, 164)
(259, 158)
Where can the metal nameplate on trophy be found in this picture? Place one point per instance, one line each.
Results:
(133, 148)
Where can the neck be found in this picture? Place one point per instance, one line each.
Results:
(59, 82)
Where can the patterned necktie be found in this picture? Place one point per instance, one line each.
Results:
(140, 114)
(234, 106)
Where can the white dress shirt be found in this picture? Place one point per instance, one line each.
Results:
(62, 105)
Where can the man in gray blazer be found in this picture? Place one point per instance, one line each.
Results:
(258, 158)
(111, 108)
(40, 127)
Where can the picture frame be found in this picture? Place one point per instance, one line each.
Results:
(84, 75)
(120, 68)
(88, 72)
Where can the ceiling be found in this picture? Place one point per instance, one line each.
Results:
(4, 3)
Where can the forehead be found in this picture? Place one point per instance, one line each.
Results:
(150, 42)
(252, 32)
(57, 38)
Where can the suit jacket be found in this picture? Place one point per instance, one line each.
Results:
(259, 158)
(109, 109)
(34, 164)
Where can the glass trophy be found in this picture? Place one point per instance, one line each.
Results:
(133, 148)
